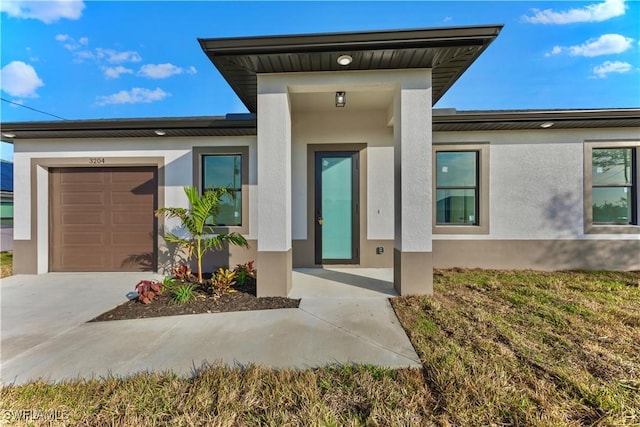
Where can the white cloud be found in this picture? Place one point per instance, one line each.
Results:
(70, 43)
(115, 72)
(593, 13)
(80, 53)
(608, 67)
(136, 95)
(20, 80)
(606, 44)
(162, 71)
(46, 11)
(115, 56)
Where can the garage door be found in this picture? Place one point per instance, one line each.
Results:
(102, 219)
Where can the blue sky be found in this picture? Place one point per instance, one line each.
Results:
(82, 60)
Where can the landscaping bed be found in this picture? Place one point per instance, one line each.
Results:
(242, 298)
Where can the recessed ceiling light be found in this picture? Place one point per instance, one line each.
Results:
(344, 60)
(8, 135)
(546, 125)
(160, 132)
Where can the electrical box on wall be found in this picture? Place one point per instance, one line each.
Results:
(380, 250)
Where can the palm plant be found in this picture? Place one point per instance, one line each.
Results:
(202, 238)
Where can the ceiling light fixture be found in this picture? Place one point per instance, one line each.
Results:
(546, 125)
(344, 60)
(160, 132)
(8, 135)
(341, 99)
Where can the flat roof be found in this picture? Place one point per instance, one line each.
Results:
(447, 51)
(246, 124)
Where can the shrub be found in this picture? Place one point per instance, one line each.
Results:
(167, 283)
(202, 238)
(184, 293)
(148, 290)
(244, 271)
(223, 280)
(183, 273)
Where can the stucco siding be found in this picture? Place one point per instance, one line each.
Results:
(536, 182)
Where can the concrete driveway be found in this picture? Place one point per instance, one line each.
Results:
(344, 317)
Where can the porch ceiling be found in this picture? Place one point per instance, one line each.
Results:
(447, 51)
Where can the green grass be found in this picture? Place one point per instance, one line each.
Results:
(498, 348)
(6, 264)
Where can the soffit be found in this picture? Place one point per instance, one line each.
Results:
(534, 119)
(447, 51)
(243, 125)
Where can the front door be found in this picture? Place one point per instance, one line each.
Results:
(337, 214)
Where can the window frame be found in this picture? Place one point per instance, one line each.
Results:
(482, 189)
(591, 227)
(199, 153)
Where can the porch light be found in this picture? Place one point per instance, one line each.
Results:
(344, 60)
(341, 99)
(160, 132)
(546, 125)
(8, 135)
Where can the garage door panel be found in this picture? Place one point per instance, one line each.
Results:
(131, 237)
(128, 198)
(87, 238)
(83, 198)
(83, 218)
(82, 176)
(101, 220)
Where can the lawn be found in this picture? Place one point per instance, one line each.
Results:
(6, 264)
(498, 348)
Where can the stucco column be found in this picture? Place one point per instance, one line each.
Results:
(412, 258)
(274, 188)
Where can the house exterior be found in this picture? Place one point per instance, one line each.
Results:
(341, 161)
(6, 193)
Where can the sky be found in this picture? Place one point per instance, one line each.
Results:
(122, 59)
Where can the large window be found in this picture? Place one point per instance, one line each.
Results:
(457, 187)
(461, 188)
(225, 171)
(225, 167)
(614, 189)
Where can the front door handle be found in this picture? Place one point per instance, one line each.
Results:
(319, 221)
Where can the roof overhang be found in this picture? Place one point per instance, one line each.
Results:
(535, 119)
(229, 125)
(447, 51)
(245, 124)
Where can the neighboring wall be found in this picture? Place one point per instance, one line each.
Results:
(173, 156)
(536, 206)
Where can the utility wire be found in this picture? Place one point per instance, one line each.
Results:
(31, 108)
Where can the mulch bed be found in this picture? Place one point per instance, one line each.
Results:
(242, 300)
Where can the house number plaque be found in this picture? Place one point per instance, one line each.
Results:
(96, 160)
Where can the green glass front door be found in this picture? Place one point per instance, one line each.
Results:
(336, 209)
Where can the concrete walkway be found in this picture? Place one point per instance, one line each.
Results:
(344, 317)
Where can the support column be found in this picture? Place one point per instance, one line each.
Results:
(274, 188)
(413, 258)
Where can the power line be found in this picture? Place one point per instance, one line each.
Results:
(31, 108)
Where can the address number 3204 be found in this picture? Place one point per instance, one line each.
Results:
(96, 160)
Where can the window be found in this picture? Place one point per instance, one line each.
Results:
(614, 192)
(461, 196)
(225, 171)
(457, 187)
(225, 167)
(611, 183)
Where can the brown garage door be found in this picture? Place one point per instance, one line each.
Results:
(102, 219)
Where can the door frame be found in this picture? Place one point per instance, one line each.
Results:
(355, 205)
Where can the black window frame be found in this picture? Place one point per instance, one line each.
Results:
(476, 189)
(236, 191)
(632, 186)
